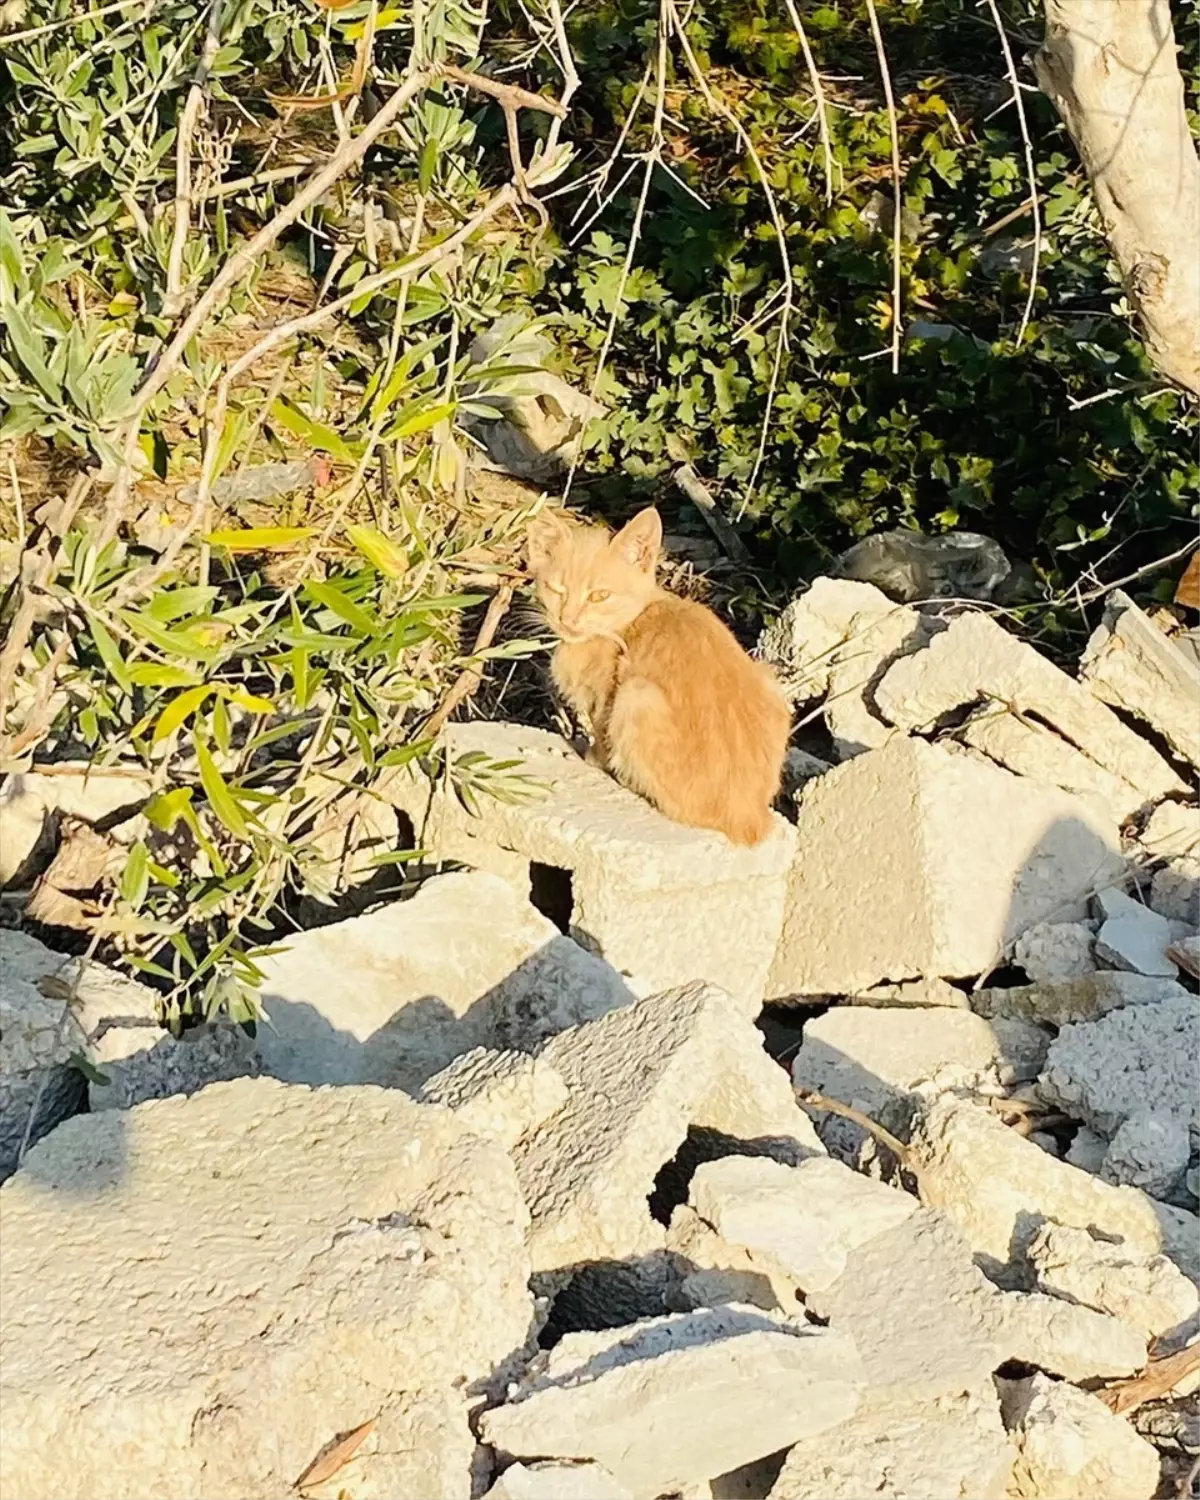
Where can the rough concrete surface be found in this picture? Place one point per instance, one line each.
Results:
(583, 1481)
(637, 1080)
(500, 1095)
(1071, 1447)
(1060, 1002)
(915, 861)
(1055, 950)
(662, 903)
(680, 1399)
(277, 1265)
(1147, 1291)
(393, 997)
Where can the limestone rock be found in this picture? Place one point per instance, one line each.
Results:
(662, 903)
(1071, 1447)
(671, 1401)
(998, 1188)
(278, 1265)
(499, 1095)
(709, 1271)
(31, 802)
(583, 1481)
(1130, 1062)
(1130, 664)
(950, 858)
(1175, 891)
(394, 996)
(1063, 1338)
(953, 1447)
(637, 1080)
(976, 657)
(805, 1219)
(799, 768)
(1060, 1002)
(1149, 1151)
(1147, 1291)
(915, 1304)
(1172, 831)
(871, 1058)
(143, 1061)
(1055, 950)
(1133, 936)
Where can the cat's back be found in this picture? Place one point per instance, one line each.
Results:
(695, 659)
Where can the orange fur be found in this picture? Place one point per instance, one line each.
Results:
(677, 711)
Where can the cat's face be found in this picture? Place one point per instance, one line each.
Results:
(590, 583)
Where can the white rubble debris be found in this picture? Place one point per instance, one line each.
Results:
(1055, 950)
(805, 1218)
(913, 992)
(872, 1058)
(582, 1481)
(1172, 835)
(675, 1400)
(502, 1096)
(662, 903)
(1071, 1447)
(31, 802)
(709, 1271)
(1131, 665)
(1147, 1291)
(278, 1265)
(1149, 1151)
(954, 1447)
(395, 996)
(977, 658)
(637, 1080)
(948, 860)
(1060, 1002)
(1065, 1339)
(1133, 937)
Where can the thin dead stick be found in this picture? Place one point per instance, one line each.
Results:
(898, 205)
(1159, 1378)
(697, 492)
(468, 681)
(506, 94)
(899, 1150)
(1030, 170)
(188, 120)
(810, 63)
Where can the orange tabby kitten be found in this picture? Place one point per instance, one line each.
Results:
(678, 712)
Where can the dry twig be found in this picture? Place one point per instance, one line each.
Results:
(810, 63)
(1030, 170)
(188, 120)
(698, 493)
(903, 1154)
(1159, 1378)
(469, 679)
(897, 182)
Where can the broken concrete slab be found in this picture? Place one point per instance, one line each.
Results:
(32, 801)
(1131, 665)
(1147, 1291)
(663, 903)
(999, 1188)
(914, 1302)
(872, 1058)
(1175, 891)
(1133, 1061)
(1087, 1150)
(580, 1481)
(954, 1447)
(1063, 1338)
(805, 1218)
(1070, 1446)
(976, 658)
(278, 1265)
(638, 1080)
(951, 859)
(1150, 1151)
(1055, 950)
(708, 1271)
(1133, 936)
(394, 996)
(672, 1401)
(1060, 1002)
(939, 992)
(140, 1060)
(501, 1096)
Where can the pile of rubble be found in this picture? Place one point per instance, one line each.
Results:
(495, 1204)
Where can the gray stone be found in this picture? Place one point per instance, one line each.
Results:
(395, 996)
(1063, 1001)
(581, 1481)
(1175, 891)
(1133, 937)
(1130, 1062)
(1149, 1151)
(637, 1081)
(502, 1096)
(141, 1062)
(953, 1448)
(977, 658)
(676, 1400)
(806, 1219)
(1146, 1291)
(799, 768)
(1055, 950)
(946, 860)
(663, 903)
(1070, 1446)
(1087, 1150)
(1130, 664)
(278, 1266)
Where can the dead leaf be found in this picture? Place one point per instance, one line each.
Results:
(336, 1455)
(1187, 591)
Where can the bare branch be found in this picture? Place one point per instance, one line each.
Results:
(188, 120)
(1034, 201)
(468, 681)
(897, 183)
(810, 63)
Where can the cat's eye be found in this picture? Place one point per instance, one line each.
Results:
(598, 596)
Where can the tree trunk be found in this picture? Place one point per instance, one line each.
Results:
(1110, 67)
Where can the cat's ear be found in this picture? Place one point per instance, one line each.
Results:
(638, 542)
(545, 535)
